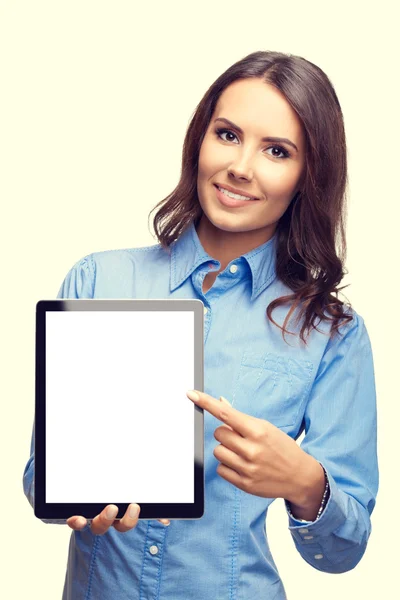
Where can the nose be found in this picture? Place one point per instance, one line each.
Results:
(241, 168)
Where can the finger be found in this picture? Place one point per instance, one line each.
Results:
(104, 520)
(76, 523)
(230, 459)
(223, 399)
(129, 520)
(232, 476)
(233, 441)
(238, 421)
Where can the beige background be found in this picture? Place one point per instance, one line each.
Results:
(95, 100)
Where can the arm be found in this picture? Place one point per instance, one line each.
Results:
(77, 284)
(341, 434)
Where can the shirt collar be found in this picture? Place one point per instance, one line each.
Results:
(187, 253)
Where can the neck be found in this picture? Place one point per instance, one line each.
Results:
(226, 246)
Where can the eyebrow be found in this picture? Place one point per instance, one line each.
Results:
(264, 139)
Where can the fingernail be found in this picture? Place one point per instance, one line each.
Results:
(111, 512)
(193, 395)
(133, 511)
(224, 400)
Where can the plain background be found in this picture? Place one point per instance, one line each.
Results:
(95, 101)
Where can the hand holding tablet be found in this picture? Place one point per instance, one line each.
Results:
(106, 519)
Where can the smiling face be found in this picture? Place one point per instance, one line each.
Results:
(234, 154)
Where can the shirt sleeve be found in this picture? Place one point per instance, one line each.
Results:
(341, 433)
(78, 283)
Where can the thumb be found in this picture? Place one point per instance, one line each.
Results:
(222, 399)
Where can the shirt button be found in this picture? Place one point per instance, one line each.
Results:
(308, 537)
(303, 530)
(318, 556)
(153, 550)
(233, 268)
(205, 310)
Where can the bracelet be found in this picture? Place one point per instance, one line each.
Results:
(324, 497)
(324, 500)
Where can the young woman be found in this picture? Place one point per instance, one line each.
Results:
(255, 229)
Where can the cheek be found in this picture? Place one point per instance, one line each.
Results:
(279, 183)
(210, 159)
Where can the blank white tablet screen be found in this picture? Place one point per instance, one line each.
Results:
(119, 427)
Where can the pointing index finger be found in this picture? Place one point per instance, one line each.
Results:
(239, 421)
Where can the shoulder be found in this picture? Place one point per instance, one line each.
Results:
(354, 328)
(351, 342)
(110, 271)
(117, 258)
(105, 259)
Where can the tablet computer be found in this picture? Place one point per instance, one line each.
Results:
(113, 424)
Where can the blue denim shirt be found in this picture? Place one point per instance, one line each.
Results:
(326, 389)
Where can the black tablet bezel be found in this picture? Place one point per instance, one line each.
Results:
(59, 511)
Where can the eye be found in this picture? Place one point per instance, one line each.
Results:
(282, 153)
(221, 132)
(281, 150)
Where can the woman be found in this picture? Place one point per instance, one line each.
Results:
(251, 230)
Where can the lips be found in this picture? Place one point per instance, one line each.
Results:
(232, 203)
(236, 191)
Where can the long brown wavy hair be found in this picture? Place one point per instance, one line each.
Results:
(314, 223)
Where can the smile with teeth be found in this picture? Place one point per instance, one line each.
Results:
(234, 196)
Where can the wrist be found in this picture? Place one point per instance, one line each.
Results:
(310, 492)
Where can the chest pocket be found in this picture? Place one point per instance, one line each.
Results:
(272, 387)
